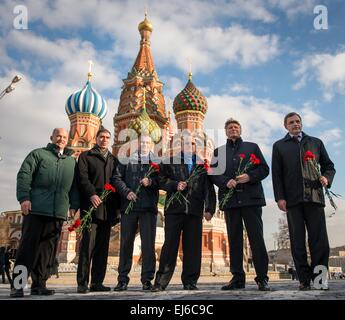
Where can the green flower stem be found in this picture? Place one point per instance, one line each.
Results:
(131, 203)
(86, 221)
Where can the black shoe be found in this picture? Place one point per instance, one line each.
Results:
(157, 288)
(121, 286)
(147, 286)
(235, 283)
(17, 293)
(263, 285)
(190, 286)
(304, 286)
(99, 288)
(83, 289)
(42, 292)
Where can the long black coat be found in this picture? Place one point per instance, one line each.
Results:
(200, 193)
(294, 180)
(247, 194)
(94, 171)
(126, 177)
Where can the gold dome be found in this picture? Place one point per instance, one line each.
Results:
(143, 124)
(145, 25)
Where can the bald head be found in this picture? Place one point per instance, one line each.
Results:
(59, 137)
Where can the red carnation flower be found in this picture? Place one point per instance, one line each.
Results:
(242, 155)
(309, 156)
(155, 166)
(206, 166)
(254, 160)
(77, 223)
(109, 187)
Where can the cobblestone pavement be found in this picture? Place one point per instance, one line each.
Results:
(209, 289)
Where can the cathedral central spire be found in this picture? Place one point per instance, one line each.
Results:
(142, 99)
(144, 60)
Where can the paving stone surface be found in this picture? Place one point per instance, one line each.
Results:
(209, 289)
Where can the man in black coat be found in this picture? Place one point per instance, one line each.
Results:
(184, 217)
(126, 178)
(299, 193)
(245, 204)
(95, 168)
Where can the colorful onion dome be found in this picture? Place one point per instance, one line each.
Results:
(190, 98)
(87, 100)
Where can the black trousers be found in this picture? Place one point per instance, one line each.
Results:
(38, 246)
(147, 221)
(310, 217)
(94, 247)
(191, 228)
(251, 216)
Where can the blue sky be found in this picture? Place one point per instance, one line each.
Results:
(254, 60)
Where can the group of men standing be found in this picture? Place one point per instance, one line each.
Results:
(50, 183)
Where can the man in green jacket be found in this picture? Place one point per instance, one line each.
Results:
(46, 190)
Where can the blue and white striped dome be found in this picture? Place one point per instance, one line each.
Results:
(87, 100)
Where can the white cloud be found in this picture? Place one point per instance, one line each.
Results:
(64, 60)
(333, 136)
(99, 14)
(255, 9)
(172, 86)
(261, 119)
(210, 47)
(238, 88)
(293, 8)
(309, 116)
(191, 26)
(327, 69)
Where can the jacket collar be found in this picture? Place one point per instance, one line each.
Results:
(238, 141)
(96, 150)
(55, 150)
(288, 137)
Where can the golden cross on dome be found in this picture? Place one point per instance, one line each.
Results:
(89, 75)
(190, 74)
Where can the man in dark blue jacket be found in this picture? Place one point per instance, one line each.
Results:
(126, 178)
(245, 204)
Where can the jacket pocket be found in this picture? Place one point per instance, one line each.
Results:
(43, 177)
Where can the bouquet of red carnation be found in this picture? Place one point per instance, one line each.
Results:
(85, 222)
(309, 158)
(154, 167)
(198, 170)
(253, 161)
